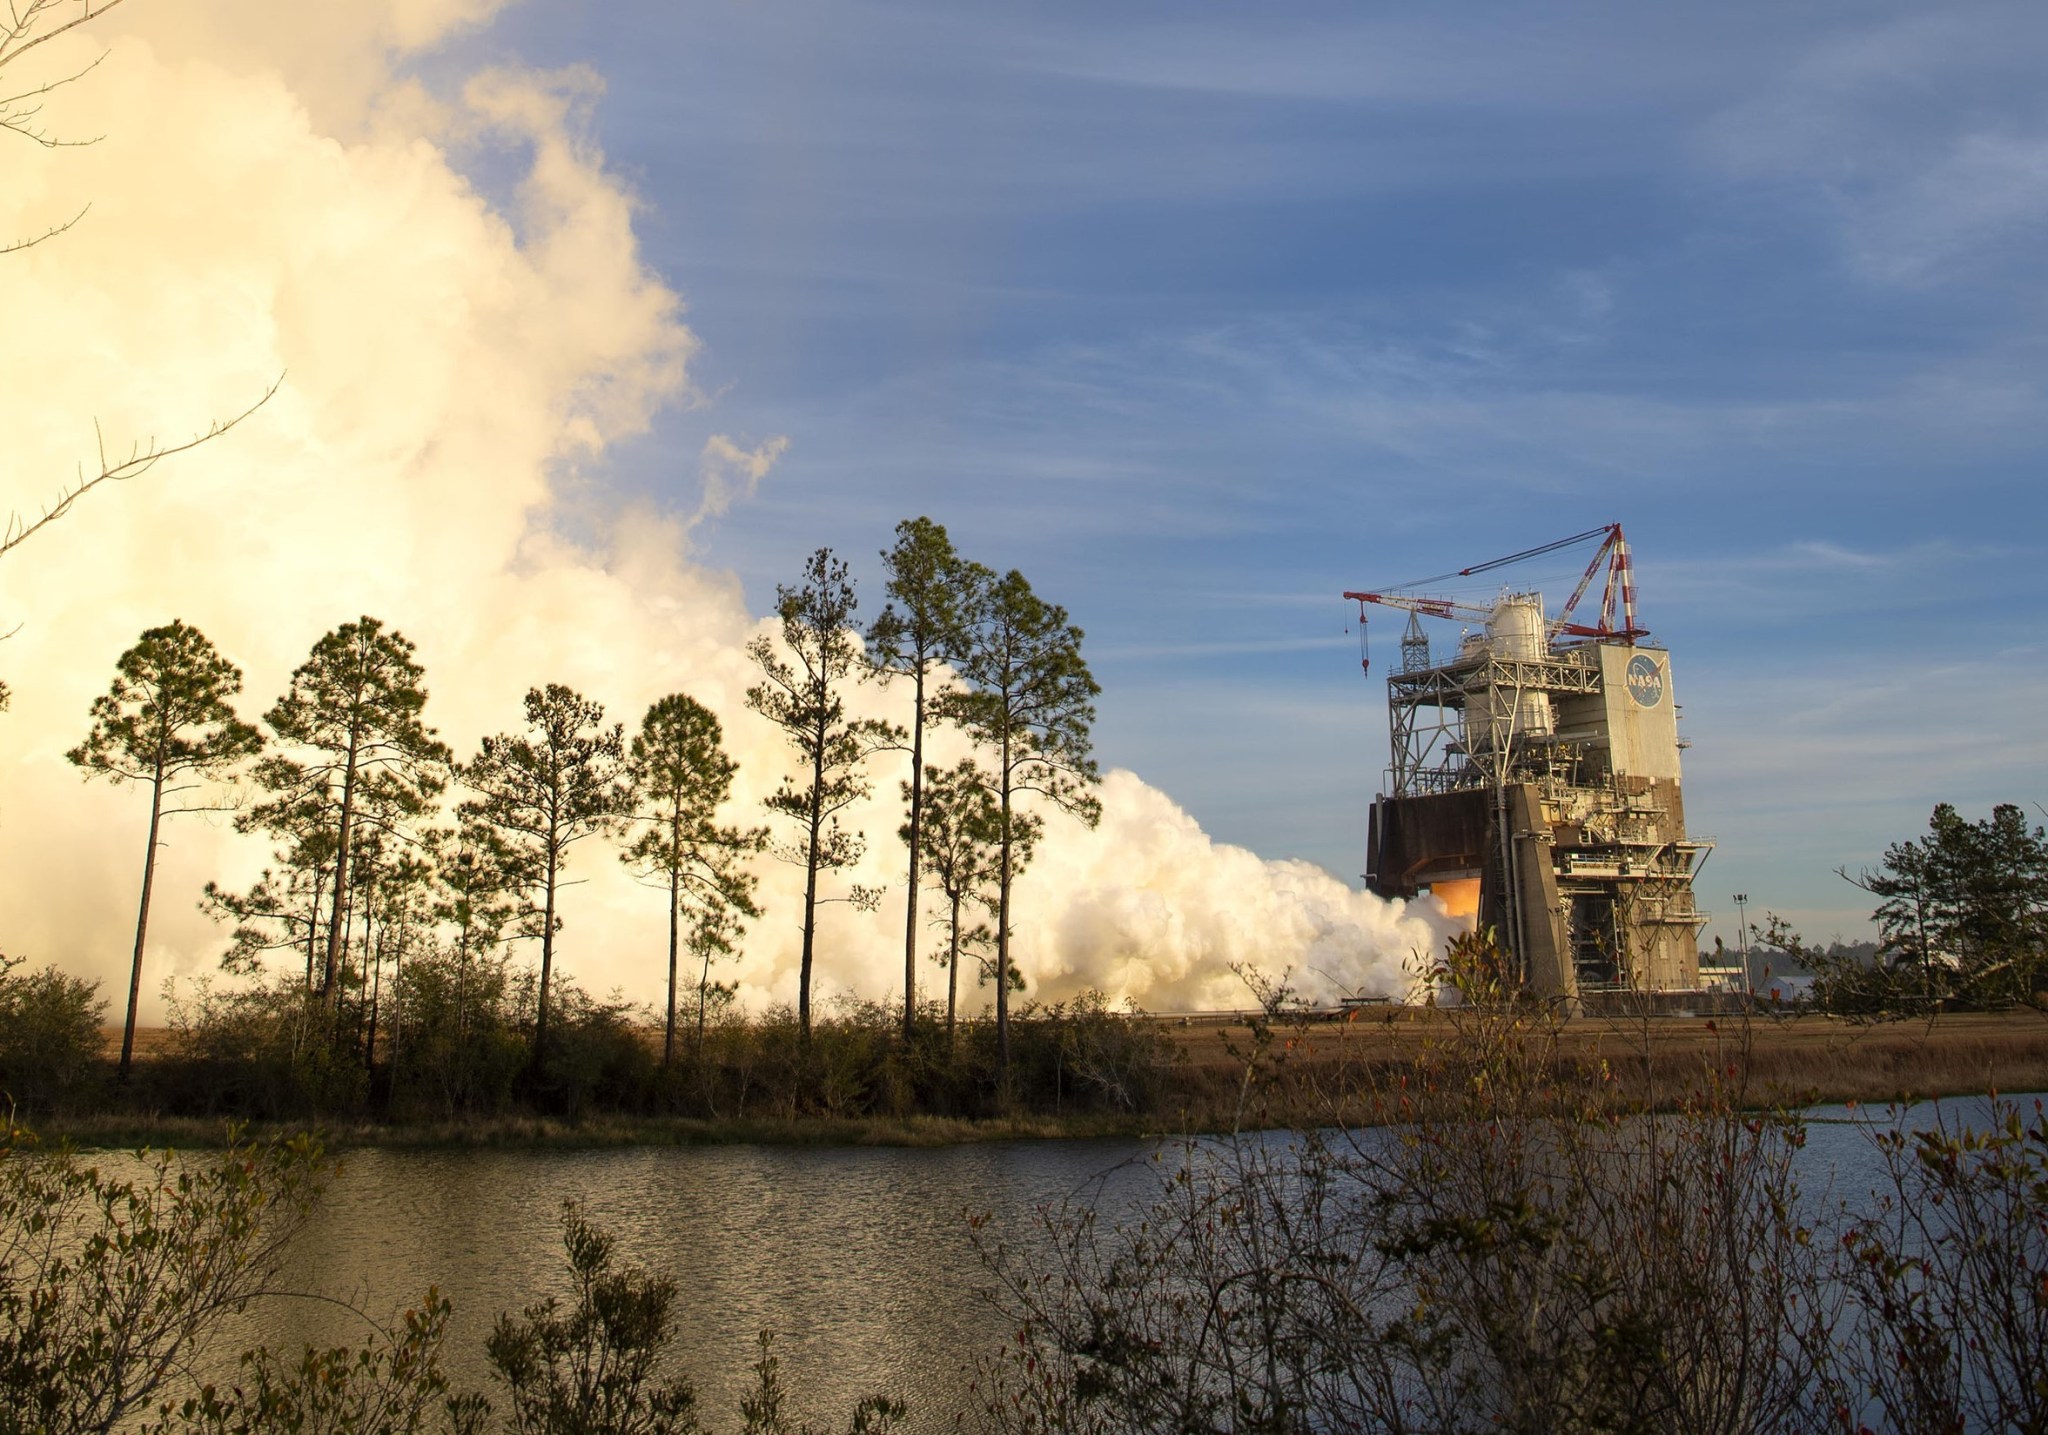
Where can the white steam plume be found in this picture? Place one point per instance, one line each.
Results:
(271, 196)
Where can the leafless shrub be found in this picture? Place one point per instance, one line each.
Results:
(1521, 1247)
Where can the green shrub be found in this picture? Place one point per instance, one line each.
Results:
(455, 1046)
(52, 1054)
(1523, 1251)
(392, 1385)
(1947, 1277)
(599, 1055)
(269, 1052)
(109, 1283)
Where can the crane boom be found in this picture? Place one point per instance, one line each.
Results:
(1611, 530)
(1619, 591)
(1427, 607)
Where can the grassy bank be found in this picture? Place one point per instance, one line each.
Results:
(126, 1131)
(1304, 1074)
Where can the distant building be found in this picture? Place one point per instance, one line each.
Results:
(1535, 785)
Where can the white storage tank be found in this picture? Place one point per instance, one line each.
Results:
(1515, 632)
(1492, 714)
(1515, 627)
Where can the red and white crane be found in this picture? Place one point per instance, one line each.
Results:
(1618, 594)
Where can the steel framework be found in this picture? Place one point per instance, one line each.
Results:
(1587, 870)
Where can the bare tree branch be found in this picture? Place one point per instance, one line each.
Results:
(50, 233)
(18, 36)
(18, 115)
(140, 460)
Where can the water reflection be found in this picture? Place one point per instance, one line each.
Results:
(857, 1258)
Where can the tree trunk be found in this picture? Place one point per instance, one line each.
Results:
(675, 897)
(461, 1083)
(376, 960)
(547, 957)
(348, 933)
(313, 924)
(953, 973)
(916, 815)
(1003, 940)
(156, 808)
(817, 821)
(462, 985)
(348, 797)
(703, 996)
(373, 970)
(397, 1014)
(1926, 957)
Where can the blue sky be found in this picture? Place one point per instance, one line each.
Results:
(1200, 314)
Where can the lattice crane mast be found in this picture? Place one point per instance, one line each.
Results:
(1617, 594)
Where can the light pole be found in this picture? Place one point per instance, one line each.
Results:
(1742, 940)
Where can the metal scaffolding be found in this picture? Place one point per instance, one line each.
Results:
(1559, 743)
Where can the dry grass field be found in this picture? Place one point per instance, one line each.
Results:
(1798, 1058)
(149, 1040)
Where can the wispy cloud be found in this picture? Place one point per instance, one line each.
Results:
(731, 474)
(1925, 140)
(1333, 55)
(1780, 582)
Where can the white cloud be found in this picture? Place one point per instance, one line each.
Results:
(1147, 903)
(730, 474)
(274, 195)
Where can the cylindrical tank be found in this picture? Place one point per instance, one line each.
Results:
(1492, 713)
(1514, 629)
(1488, 711)
(1514, 633)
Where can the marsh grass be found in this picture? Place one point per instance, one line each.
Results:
(1083, 1070)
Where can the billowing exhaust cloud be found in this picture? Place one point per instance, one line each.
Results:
(272, 197)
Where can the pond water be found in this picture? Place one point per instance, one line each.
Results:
(859, 1259)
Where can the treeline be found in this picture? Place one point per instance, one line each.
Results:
(265, 1051)
(373, 959)
(1962, 921)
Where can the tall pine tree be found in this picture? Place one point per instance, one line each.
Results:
(1028, 702)
(680, 777)
(1965, 908)
(168, 722)
(285, 909)
(354, 714)
(962, 844)
(804, 694)
(545, 790)
(920, 629)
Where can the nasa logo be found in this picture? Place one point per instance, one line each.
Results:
(1645, 681)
